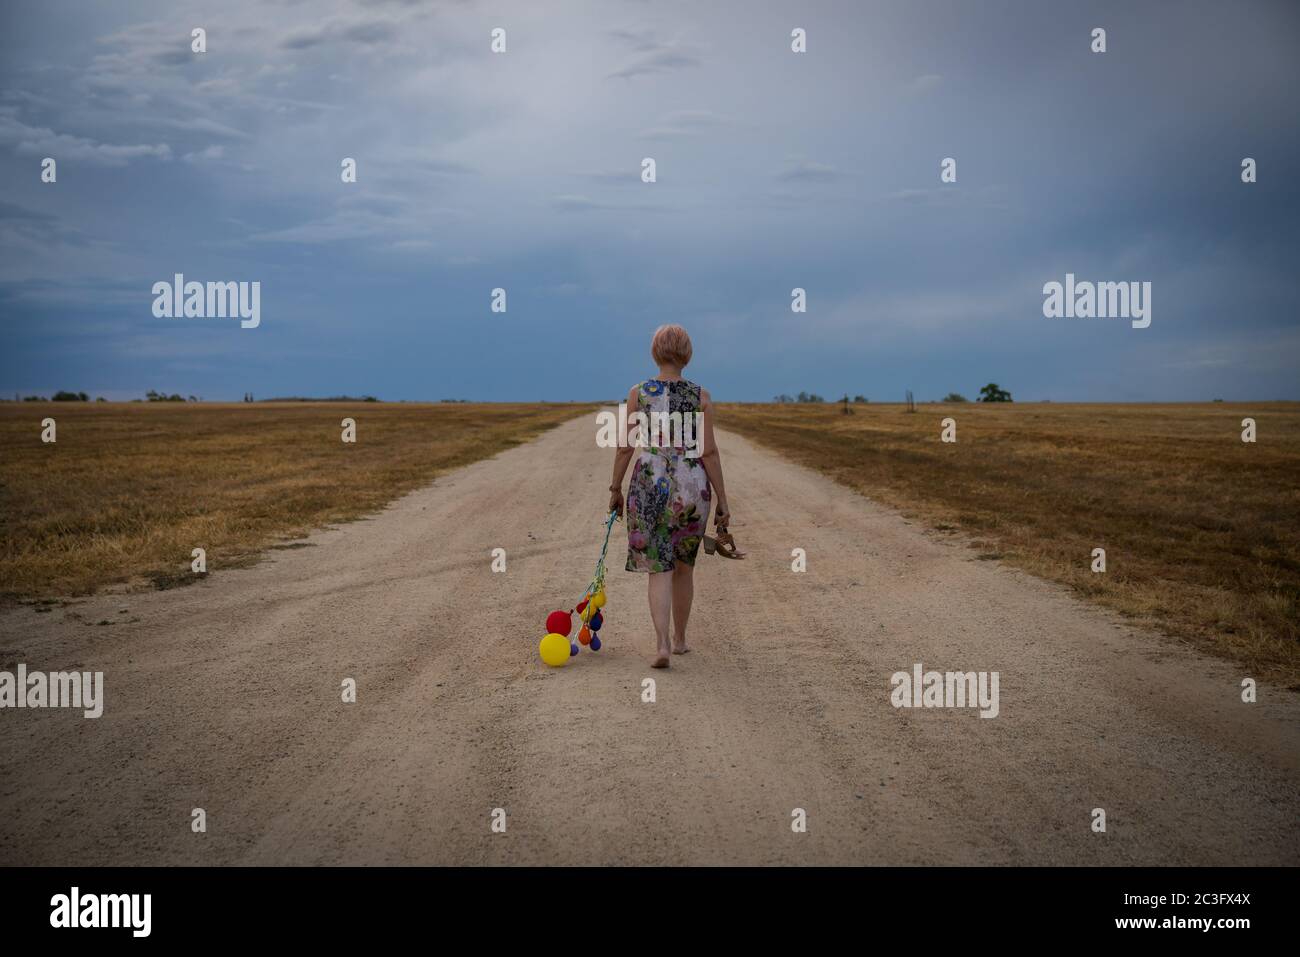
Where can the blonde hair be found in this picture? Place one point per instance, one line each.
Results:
(671, 345)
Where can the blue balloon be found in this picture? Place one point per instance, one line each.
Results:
(573, 650)
(595, 643)
(596, 621)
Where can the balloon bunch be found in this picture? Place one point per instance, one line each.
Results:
(556, 648)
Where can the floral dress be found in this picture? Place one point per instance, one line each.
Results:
(668, 498)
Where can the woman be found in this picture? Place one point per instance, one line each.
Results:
(671, 488)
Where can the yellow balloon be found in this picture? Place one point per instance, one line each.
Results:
(554, 650)
(598, 599)
(588, 610)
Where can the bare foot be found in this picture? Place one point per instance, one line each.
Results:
(681, 647)
(661, 658)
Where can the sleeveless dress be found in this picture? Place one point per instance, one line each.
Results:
(668, 497)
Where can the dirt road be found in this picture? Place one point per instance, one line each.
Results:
(226, 696)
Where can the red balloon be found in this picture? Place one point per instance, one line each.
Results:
(559, 623)
(582, 604)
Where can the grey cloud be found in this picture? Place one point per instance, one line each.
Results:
(196, 124)
(31, 99)
(404, 3)
(576, 203)
(12, 212)
(41, 141)
(438, 167)
(178, 56)
(653, 55)
(806, 171)
(365, 216)
(210, 154)
(640, 40)
(365, 33)
(615, 177)
(985, 197)
(686, 123)
(143, 48)
(661, 61)
(823, 168)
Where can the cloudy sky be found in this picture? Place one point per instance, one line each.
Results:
(775, 170)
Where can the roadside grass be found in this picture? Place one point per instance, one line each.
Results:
(1201, 530)
(130, 489)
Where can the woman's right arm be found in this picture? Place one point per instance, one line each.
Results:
(711, 459)
(622, 458)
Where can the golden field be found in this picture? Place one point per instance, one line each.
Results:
(1201, 530)
(129, 489)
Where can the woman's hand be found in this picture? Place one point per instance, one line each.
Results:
(616, 501)
(721, 515)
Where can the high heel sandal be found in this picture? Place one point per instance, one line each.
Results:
(724, 544)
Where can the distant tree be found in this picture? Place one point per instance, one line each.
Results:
(100, 398)
(782, 399)
(810, 397)
(955, 397)
(62, 396)
(861, 399)
(35, 398)
(992, 393)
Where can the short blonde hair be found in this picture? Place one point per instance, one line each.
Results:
(671, 345)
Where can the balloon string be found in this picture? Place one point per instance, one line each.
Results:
(598, 579)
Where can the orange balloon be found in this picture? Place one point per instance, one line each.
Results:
(584, 635)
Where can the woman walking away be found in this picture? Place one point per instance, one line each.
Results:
(678, 472)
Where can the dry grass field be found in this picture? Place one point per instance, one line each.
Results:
(1201, 530)
(128, 490)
